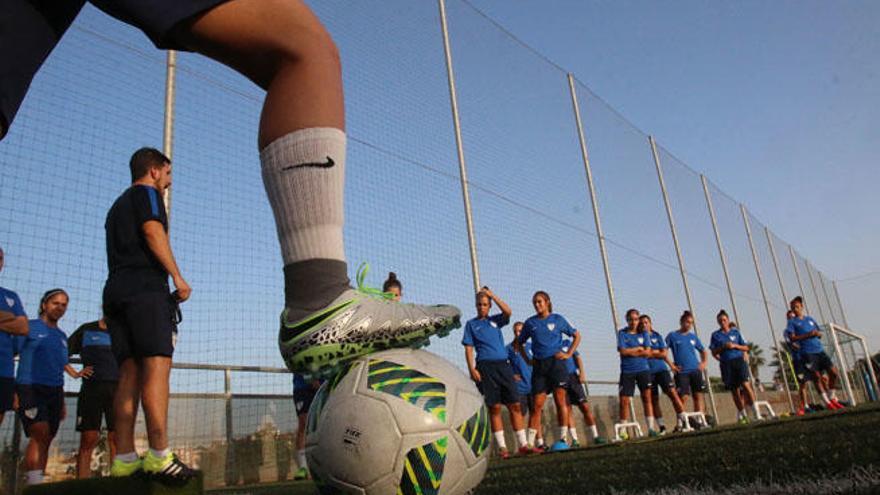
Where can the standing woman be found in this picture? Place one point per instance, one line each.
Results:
(634, 348)
(661, 375)
(393, 285)
(728, 346)
(689, 361)
(545, 330)
(13, 321)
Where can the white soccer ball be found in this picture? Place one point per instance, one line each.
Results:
(400, 421)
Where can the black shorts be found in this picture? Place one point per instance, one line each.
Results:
(628, 382)
(800, 371)
(7, 393)
(496, 383)
(690, 382)
(548, 374)
(818, 362)
(526, 402)
(302, 399)
(95, 401)
(734, 373)
(141, 325)
(34, 28)
(40, 404)
(576, 391)
(662, 380)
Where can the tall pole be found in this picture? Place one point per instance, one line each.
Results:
(797, 274)
(773, 338)
(720, 247)
(168, 130)
(840, 304)
(462, 169)
(681, 268)
(815, 292)
(843, 364)
(776, 265)
(822, 279)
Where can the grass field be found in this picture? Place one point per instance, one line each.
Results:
(821, 453)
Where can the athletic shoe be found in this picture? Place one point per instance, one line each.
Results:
(837, 404)
(527, 450)
(652, 433)
(575, 444)
(168, 470)
(301, 474)
(504, 454)
(743, 420)
(559, 446)
(121, 469)
(800, 412)
(544, 448)
(600, 441)
(359, 322)
(662, 430)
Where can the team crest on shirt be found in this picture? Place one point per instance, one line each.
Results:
(693, 342)
(641, 340)
(551, 326)
(732, 338)
(31, 413)
(494, 325)
(10, 302)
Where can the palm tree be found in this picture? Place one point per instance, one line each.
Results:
(756, 360)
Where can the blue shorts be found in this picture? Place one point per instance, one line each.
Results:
(496, 383)
(548, 374)
(40, 404)
(7, 393)
(576, 391)
(818, 362)
(628, 382)
(690, 382)
(734, 373)
(662, 380)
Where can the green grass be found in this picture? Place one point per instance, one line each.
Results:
(813, 449)
(114, 486)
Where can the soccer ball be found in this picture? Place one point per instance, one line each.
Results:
(400, 421)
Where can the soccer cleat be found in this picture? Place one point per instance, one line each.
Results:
(358, 322)
(503, 454)
(559, 446)
(653, 434)
(121, 469)
(301, 474)
(800, 411)
(662, 430)
(837, 404)
(575, 444)
(600, 441)
(168, 470)
(527, 450)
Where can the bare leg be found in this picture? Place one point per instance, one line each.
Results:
(561, 399)
(495, 422)
(155, 373)
(516, 416)
(87, 441)
(698, 402)
(749, 395)
(125, 405)
(535, 416)
(624, 408)
(37, 451)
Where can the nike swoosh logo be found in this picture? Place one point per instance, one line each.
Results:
(328, 164)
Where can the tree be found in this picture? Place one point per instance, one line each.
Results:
(756, 359)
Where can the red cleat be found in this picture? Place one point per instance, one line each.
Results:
(800, 411)
(837, 405)
(526, 450)
(504, 454)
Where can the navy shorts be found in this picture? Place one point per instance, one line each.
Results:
(734, 373)
(496, 382)
(35, 27)
(818, 362)
(548, 374)
(576, 391)
(800, 371)
(628, 382)
(526, 402)
(7, 393)
(690, 382)
(40, 404)
(142, 324)
(94, 403)
(662, 380)
(302, 399)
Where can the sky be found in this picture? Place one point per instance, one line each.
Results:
(772, 102)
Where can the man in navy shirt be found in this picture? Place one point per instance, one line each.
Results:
(491, 369)
(578, 397)
(661, 375)
(634, 347)
(689, 361)
(91, 341)
(806, 333)
(729, 347)
(13, 321)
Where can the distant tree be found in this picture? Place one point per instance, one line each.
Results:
(756, 359)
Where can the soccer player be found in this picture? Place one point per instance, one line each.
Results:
(545, 330)
(39, 382)
(797, 366)
(303, 394)
(95, 401)
(282, 47)
(522, 375)
(689, 361)
(576, 390)
(634, 348)
(13, 321)
(491, 370)
(729, 348)
(806, 333)
(392, 285)
(661, 375)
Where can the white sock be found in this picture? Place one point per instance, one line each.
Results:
(531, 436)
(740, 414)
(127, 457)
(833, 394)
(34, 477)
(301, 458)
(651, 424)
(539, 442)
(304, 176)
(825, 398)
(563, 433)
(594, 432)
(574, 434)
(499, 439)
(521, 438)
(682, 419)
(161, 454)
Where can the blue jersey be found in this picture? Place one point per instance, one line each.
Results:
(626, 340)
(719, 338)
(657, 365)
(802, 326)
(485, 336)
(571, 366)
(10, 306)
(546, 334)
(685, 347)
(42, 355)
(521, 367)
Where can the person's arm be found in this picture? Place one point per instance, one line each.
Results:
(472, 366)
(86, 372)
(582, 374)
(505, 309)
(160, 246)
(674, 367)
(703, 359)
(572, 348)
(13, 324)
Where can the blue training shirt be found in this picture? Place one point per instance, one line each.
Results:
(546, 334)
(42, 355)
(570, 365)
(10, 303)
(685, 347)
(521, 367)
(626, 340)
(719, 338)
(805, 325)
(485, 336)
(657, 365)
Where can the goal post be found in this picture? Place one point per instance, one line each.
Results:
(851, 354)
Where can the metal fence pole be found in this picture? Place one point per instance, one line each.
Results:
(776, 265)
(462, 169)
(797, 274)
(815, 292)
(773, 338)
(720, 246)
(168, 130)
(681, 268)
(825, 292)
(843, 363)
(231, 460)
(840, 305)
(870, 363)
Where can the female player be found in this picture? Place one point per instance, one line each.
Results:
(545, 329)
(805, 331)
(661, 375)
(578, 397)
(728, 347)
(634, 348)
(522, 375)
(689, 361)
(392, 284)
(13, 321)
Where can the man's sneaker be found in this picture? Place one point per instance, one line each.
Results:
(121, 469)
(168, 470)
(301, 474)
(600, 441)
(559, 446)
(358, 322)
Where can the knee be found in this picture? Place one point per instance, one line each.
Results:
(316, 46)
(495, 409)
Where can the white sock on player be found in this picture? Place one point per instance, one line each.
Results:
(651, 424)
(563, 433)
(128, 456)
(833, 394)
(682, 419)
(539, 442)
(741, 414)
(499, 439)
(660, 422)
(521, 439)
(574, 434)
(825, 398)
(531, 436)
(304, 176)
(594, 432)
(301, 458)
